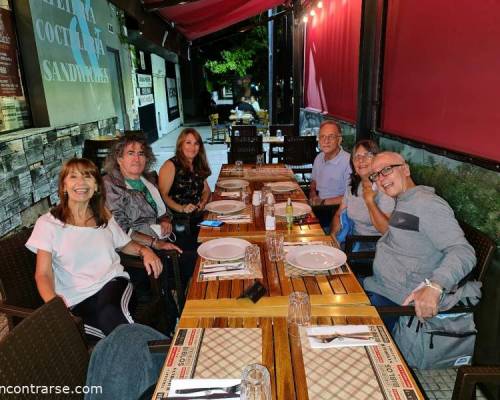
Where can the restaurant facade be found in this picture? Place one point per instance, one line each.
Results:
(71, 71)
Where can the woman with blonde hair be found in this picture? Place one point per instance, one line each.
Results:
(75, 245)
(184, 188)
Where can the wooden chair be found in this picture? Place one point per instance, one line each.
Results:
(243, 130)
(45, 349)
(20, 295)
(299, 154)
(276, 149)
(245, 149)
(97, 150)
(218, 130)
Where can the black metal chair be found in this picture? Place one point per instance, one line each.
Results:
(276, 149)
(245, 149)
(97, 150)
(299, 153)
(243, 130)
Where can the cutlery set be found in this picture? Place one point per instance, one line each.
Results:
(328, 338)
(208, 392)
(217, 268)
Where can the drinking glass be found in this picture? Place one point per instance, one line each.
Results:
(239, 167)
(299, 312)
(260, 161)
(274, 244)
(252, 254)
(243, 195)
(265, 192)
(255, 383)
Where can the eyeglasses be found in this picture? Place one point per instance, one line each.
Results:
(362, 156)
(384, 172)
(328, 138)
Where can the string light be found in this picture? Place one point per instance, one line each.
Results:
(320, 4)
(312, 13)
(304, 19)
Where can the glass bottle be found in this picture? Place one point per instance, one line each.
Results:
(269, 216)
(289, 213)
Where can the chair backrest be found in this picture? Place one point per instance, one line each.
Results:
(263, 116)
(245, 148)
(299, 150)
(97, 150)
(286, 129)
(45, 349)
(244, 130)
(17, 269)
(484, 247)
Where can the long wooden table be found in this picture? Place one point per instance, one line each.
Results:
(283, 357)
(308, 226)
(339, 288)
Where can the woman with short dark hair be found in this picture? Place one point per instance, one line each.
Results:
(75, 245)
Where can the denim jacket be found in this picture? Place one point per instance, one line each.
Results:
(130, 207)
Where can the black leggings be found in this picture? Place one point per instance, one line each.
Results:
(106, 309)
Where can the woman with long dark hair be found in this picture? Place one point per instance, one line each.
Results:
(183, 186)
(75, 245)
(366, 207)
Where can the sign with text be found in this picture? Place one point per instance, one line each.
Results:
(72, 56)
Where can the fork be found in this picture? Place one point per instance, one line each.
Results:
(331, 337)
(209, 390)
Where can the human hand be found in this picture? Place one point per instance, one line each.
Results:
(426, 301)
(164, 245)
(166, 227)
(368, 192)
(189, 208)
(152, 262)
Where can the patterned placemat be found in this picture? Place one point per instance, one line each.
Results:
(359, 373)
(225, 352)
(209, 353)
(257, 274)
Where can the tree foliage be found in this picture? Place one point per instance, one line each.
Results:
(237, 60)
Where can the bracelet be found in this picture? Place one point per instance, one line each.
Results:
(152, 241)
(428, 283)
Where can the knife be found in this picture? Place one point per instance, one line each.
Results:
(216, 271)
(222, 265)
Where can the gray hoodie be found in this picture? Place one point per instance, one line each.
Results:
(423, 241)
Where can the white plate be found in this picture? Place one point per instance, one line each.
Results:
(316, 257)
(283, 187)
(299, 209)
(225, 206)
(223, 249)
(232, 184)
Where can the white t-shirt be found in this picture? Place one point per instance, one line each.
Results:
(83, 258)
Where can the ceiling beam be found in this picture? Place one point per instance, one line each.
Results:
(159, 4)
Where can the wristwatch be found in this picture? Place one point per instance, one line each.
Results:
(432, 285)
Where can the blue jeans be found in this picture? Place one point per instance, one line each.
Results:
(379, 300)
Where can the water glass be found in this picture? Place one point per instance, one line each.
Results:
(299, 312)
(274, 244)
(239, 167)
(255, 383)
(256, 198)
(260, 161)
(252, 257)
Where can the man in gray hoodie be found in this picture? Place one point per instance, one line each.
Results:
(424, 252)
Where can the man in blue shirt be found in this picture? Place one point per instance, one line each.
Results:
(330, 174)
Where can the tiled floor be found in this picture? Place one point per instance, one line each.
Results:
(437, 384)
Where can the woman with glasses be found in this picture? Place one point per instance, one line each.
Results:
(368, 209)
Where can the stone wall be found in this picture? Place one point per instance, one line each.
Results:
(30, 161)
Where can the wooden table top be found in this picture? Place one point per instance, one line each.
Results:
(282, 355)
(308, 226)
(342, 289)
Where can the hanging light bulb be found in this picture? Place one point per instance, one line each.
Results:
(312, 13)
(304, 19)
(320, 4)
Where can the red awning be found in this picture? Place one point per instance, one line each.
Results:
(203, 17)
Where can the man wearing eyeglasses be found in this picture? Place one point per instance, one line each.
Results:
(424, 254)
(330, 174)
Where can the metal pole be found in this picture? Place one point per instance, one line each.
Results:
(270, 79)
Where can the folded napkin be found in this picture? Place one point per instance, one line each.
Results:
(325, 331)
(232, 195)
(177, 384)
(213, 270)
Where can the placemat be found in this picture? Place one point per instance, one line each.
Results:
(248, 211)
(209, 353)
(359, 373)
(204, 278)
